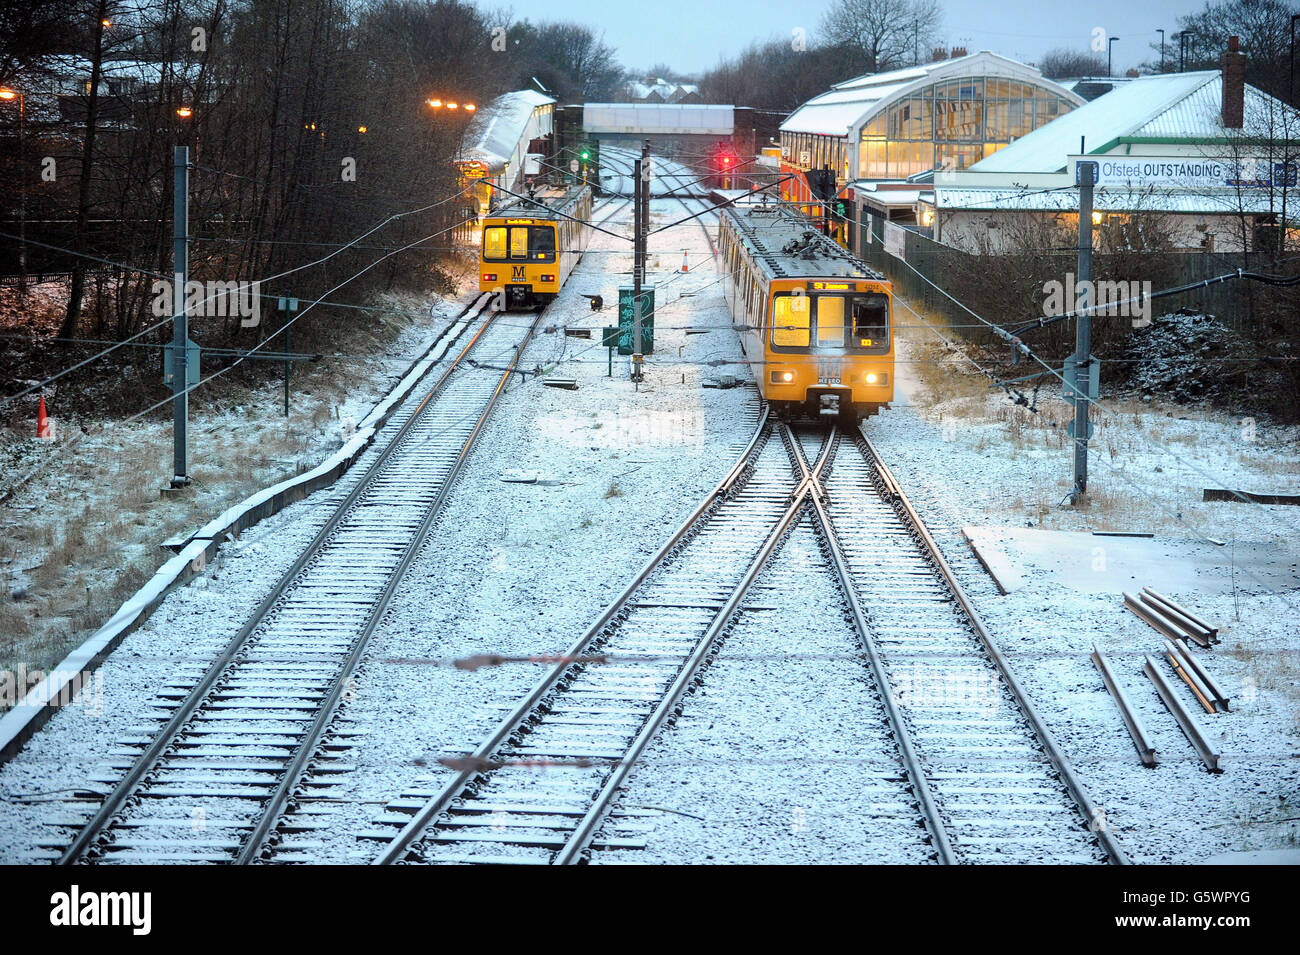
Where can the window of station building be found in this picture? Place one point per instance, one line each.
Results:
(962, 120)
(790, 314)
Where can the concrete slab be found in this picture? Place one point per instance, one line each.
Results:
(1101, 563)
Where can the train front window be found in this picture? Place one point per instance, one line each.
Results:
(871, 321)
(494, 242)
(790, 325)
(830, 321)
(518, 243)
(541, 243)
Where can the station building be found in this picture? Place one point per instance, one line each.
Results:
(507, 142)
(1201, 158)
(885, 135)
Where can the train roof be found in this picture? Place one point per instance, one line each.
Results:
(546, 204)
(786, 244)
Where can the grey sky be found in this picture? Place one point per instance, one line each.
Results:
(691, 35)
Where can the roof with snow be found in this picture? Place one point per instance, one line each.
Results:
(496, 130)
(1105, 199)
(849, 104)
(1172, 106)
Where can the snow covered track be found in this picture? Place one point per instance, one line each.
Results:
(587, 722)
(993, 784)
(245, 735)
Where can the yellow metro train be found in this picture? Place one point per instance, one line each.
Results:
(815, 323)
(531, 245)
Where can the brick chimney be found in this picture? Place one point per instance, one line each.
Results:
(957, 52)
(1234, 84)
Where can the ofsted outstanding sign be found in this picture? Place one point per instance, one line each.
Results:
(1176, 172)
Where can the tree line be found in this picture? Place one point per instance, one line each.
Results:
(308, 122)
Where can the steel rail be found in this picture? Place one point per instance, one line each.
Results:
(149, 759)
(1092, 815)
(307, 748)
(414, 829)
(920, 784)
(585, 831)
(1146, 752)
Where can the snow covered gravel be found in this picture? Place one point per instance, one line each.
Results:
(773, 756)
(968, 468)
(783, 754)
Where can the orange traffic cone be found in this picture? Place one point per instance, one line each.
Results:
(42, 421)
(685, 266)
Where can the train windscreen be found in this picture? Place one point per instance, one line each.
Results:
(857, 323)
(790, 321)
(534, 243)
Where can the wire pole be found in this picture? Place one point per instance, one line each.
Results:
(1083, 334)
(180, 323)
(640, 207)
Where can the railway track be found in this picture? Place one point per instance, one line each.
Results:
(597, 709)
(991, 782)
(968, 774)
(235, 742)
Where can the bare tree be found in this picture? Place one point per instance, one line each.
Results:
(1264, 27)
(1063, 63)
(890, 33)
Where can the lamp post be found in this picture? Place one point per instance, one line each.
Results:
(1290, 84)
(1183, 39)
(1110, 42)
(9, 95)
(1162, 49)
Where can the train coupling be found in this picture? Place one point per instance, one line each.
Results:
(828, 405)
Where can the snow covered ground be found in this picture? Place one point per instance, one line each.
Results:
(770, 757)
(85, 530)
(511, 568)
(980, 460)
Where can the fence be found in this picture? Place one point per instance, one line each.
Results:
(1007, 289)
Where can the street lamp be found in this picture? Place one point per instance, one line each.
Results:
(9, 95)
(1183, 39)
(1290, 84)
(1109, 44)
(1162, 49)
(435, 103)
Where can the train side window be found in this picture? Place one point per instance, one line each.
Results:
(830, 320)
(494, 242)
(871, 320)
(790, 315)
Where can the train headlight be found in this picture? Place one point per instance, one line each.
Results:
(872, 377)
(489, 276)
(781, 377)
(787, 376)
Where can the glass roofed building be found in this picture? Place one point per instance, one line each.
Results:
(884, 135)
